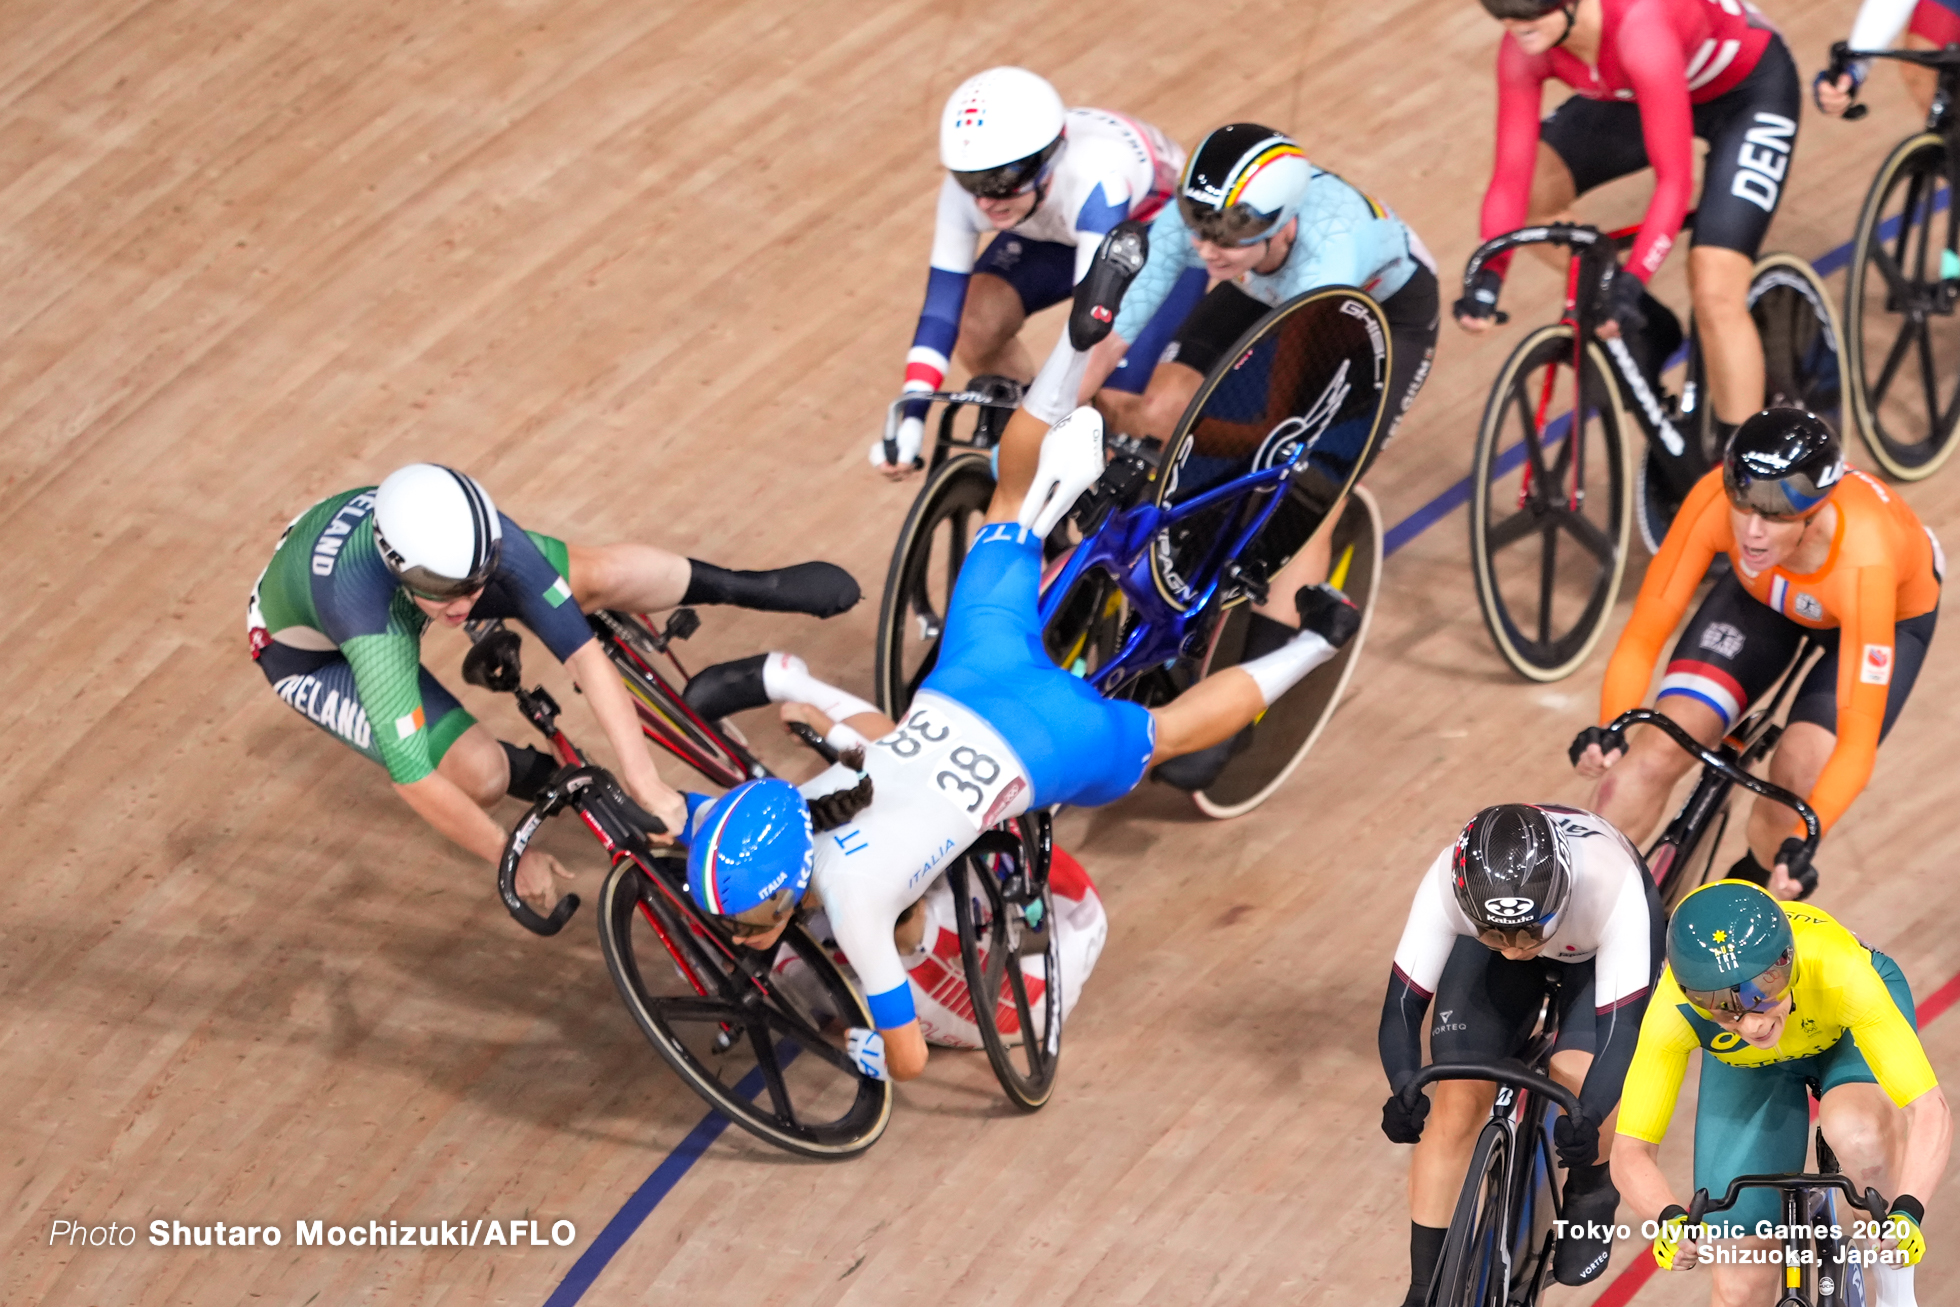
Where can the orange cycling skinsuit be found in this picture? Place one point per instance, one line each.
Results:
(1872, 605)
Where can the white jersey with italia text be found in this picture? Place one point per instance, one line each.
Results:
(939, 780)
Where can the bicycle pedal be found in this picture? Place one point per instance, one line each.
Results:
(681, 623)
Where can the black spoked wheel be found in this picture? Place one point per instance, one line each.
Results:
(663, 716)
(919, 584)
(1472, 1270)
(1802, 347)
(1006, 919)
(1902, 341)
(764, 1044)
(1550, 505)
(1287, 730)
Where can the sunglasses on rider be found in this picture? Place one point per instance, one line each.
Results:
(1232, 227)
(1757, 995)
(760, 919)
(1010, 179)
(1526, 936)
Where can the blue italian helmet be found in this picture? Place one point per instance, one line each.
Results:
(752, 848)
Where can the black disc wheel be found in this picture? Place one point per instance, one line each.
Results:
(1284, 733)
(1472, 1271)
(760, 1034)
(925, 563)
(1902, 340)
(1550, 505)
(1006, 922)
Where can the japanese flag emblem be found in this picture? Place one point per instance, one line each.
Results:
(1875, 668)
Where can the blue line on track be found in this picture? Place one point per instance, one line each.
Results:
(640, 1206)
(677, 1163)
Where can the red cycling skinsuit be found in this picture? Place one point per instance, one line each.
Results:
(1668, 56)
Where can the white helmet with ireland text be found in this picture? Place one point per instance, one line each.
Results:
(1001, 132)
(437, 531)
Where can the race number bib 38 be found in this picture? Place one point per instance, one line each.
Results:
(945, 748)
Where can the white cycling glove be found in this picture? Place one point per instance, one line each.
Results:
(867, 1049)
(911, 435)
(1071, 462)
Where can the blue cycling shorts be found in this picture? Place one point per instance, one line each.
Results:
(1078, 747)
(1042, 273)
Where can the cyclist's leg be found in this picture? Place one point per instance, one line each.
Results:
(1731, 651)
(1075, 746)
(1585, 144)
(638, 578)
(1589, 1198)
(1204, 336)
(1483, 1011)
(1013, 278)
(319, 685)
(1750, 1121)
(1751, 131)
(1864, 1128)
(1811, 733)
(1582, 144)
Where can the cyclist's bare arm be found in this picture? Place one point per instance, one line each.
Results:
(442, 803)
(599, 680)
(1929, 1138)
(1637, 1174)
(905, 1051)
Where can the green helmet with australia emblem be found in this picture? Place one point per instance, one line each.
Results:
(1731, 948)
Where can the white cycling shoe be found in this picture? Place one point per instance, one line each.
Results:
(1071, 462)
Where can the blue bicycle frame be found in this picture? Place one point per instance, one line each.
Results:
(1121, 546)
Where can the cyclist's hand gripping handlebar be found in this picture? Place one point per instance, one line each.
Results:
(1842, 61)
(1806, 847)
(592, 790)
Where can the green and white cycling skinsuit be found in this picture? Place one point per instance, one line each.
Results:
(341, 641)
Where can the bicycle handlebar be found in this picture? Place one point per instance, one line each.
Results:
(1700, 1206)
(894, 412)
(1578, 235)
(1514, 1074)
(1739, 775)
(593, 791)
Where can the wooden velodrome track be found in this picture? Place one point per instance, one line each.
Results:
(650, 271)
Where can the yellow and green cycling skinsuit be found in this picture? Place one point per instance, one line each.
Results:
(1851, 1021)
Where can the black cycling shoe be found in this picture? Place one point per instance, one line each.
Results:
(1191, 772)
(1328, 613)
(1099, 294)
(1590, 1202)
(531, 771)
(819, 589)
(732, 687)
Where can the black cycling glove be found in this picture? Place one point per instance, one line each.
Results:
(1399, 1123)
(1795, 861)
(1577, 1141)
(1479, 300)
(1622, 301)
(1608, 738)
